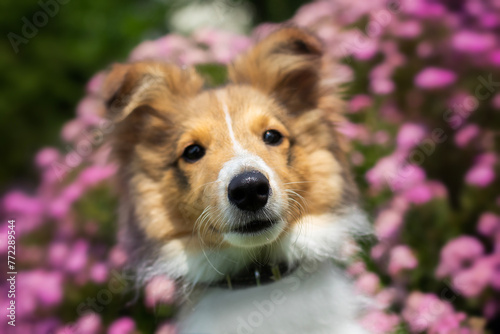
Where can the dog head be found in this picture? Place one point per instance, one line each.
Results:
(212, 179)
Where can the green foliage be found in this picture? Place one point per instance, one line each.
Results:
(43, 82)
(214, 74)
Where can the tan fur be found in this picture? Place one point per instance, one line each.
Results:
(160, 109)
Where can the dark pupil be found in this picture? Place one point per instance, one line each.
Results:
(272, 137)
(193, 153)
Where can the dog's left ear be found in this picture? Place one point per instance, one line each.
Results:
(287, 64)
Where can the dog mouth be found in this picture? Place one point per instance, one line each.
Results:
(255, 226)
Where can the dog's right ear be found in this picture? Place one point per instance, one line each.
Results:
(147, 86)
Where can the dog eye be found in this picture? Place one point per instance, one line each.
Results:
(272, 137)
(193, 153)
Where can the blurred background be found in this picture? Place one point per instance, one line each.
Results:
(421, 82)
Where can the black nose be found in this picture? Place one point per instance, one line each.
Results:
(249, 191)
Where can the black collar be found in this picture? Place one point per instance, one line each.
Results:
(256, 275)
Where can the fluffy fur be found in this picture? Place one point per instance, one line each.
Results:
(175, 214)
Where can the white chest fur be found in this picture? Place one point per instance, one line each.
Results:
(312, 300)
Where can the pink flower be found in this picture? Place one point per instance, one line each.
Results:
(167, 328)
(379, 251)
(489, 20)
(145, 50)
(38, 288)
(353, 131)
(49, 178)
(77, 259)
(198, 57)
(343, 74)
(472, 42)
(438, 189)
(18, 202)
(388, 223)
(472, 281)
(408, 175)
(395, 172)
(26, 294)
(117, 257)
(487, 159)
(95, 83)
(46, 156)
(311, 13)
(409, 136)
(72, 130)
(457, 254)
(58, 252)
(124, 325)
(401, 257)
(94, 174)
(59, 208)
(474, 8)
(377, 176)
(46, 326)
(379, 322)
(434, 77)
(67, 329)
(367, 51)
(26, 209)
(89, 323)
(359, 102)
(419, 194)
(159, 290)
(72, 192)
(90, 110)
(466, 134)
(448, 323)
(494, 261)
(400, 203)
(480, 175)
(386, 297)
(99, 272)
(368, 283)
(408, 29)
(264, 29)
(461, 103)
(357, 268)
(424, 9)
(494, 58)
(381, 86)
(50, 291)
(223, 45)
(423, 310)
(166, 48)
(488, 224)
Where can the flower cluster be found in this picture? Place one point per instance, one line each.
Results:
(424, 111)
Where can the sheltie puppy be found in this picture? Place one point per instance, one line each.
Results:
(242, 193)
